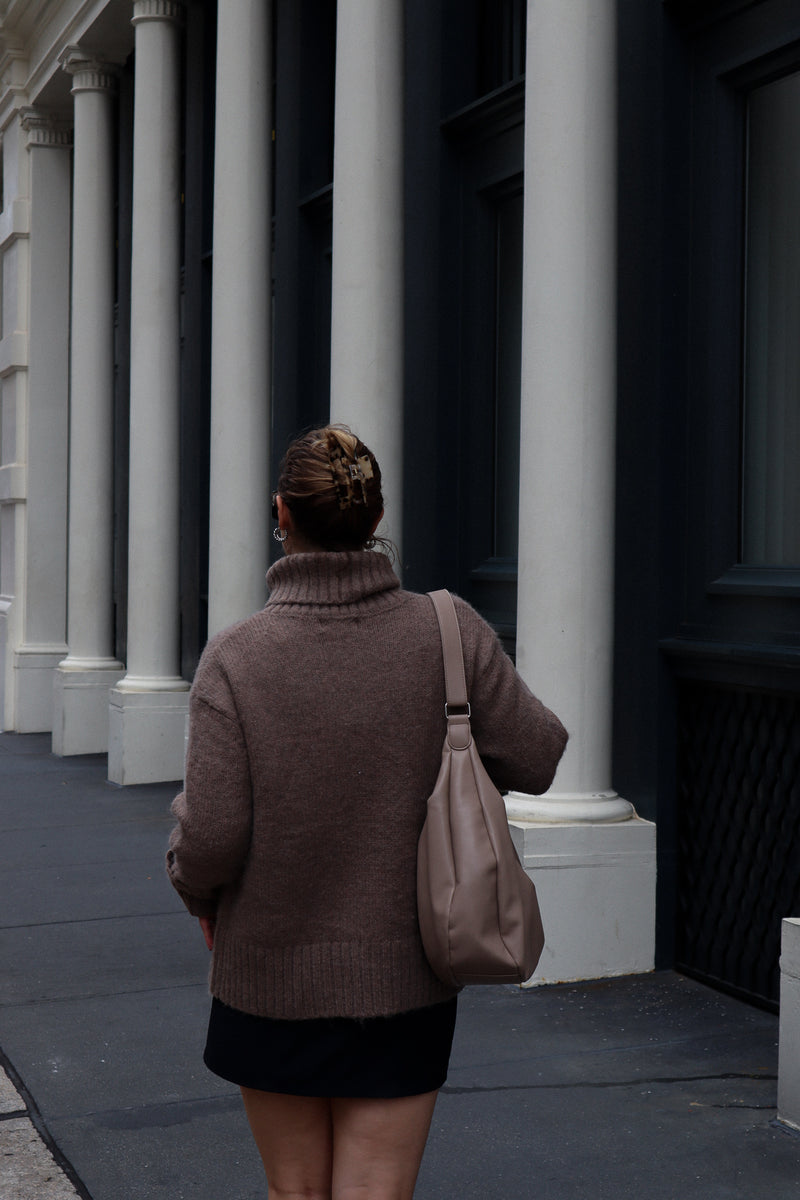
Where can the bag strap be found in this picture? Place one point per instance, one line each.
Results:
(455, 682)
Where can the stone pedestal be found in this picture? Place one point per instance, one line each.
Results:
(34, 668)
(595, 884)
(147, 735)
(789, 1030)
(80, 705)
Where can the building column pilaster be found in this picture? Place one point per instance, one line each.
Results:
(600, 893)
(83, 679)
(241, 323)
(367, 287)
(37, 353)
(148, 707)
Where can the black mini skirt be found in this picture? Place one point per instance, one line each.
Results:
(402, 1055)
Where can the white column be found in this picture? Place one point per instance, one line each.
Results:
(148, 707)
(83, 679)
(241, 320)
(601, 917)
(41, 284)
(367, 290)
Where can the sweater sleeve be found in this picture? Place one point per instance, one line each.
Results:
(214, 812)
(520, 741)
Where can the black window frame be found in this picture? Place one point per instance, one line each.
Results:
(305, 72)
(727, 604)
(485, 146)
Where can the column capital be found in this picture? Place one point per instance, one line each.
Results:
(44, 127)
(157, 10)
(90, 74)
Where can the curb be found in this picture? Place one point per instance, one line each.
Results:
(31, 1165)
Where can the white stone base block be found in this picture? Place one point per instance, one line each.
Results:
(789, 1028)
(80, 709)
(5, 699)
(34, 668)
(597, 893)
(146, 736)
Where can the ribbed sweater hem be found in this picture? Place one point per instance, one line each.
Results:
(342, 979)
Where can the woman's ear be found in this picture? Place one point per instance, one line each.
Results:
(376, 522)
(284, 514)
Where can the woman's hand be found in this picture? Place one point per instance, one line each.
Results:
(207, 924)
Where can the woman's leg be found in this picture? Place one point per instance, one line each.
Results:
(378, 1146)
(294, 1139)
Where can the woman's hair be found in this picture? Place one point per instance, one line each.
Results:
(331, 482)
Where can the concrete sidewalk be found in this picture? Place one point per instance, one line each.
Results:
(648, 1086)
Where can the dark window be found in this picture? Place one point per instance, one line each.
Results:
(304, 110)
(740, 541)
(735, 652)
(198, 192)
(464, 100)
(508, 354)
(483, 328)
(501, 43)
(771, 427)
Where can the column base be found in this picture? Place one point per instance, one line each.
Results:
(596, 885)
(34, 668)
(80, 705)
(147, 735)
(789, 1029)
(558, 808)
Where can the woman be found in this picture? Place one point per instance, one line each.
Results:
(315, 739)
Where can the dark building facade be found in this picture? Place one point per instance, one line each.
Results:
(545, 256)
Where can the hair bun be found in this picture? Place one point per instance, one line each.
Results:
(331, 482)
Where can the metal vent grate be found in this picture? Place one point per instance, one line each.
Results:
(738, 835)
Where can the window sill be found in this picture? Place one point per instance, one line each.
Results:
(741, 580)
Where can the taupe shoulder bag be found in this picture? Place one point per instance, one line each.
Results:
(478, 912)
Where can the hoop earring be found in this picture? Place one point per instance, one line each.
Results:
(279, 534)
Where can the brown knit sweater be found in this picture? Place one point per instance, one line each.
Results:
(315, 738)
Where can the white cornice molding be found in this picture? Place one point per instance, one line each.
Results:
(20, 16)
(13, 62)
(35, 32)
(45, 128)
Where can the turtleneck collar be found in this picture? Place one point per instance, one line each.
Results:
(330, 578)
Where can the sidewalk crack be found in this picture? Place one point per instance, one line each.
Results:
(621, 1083)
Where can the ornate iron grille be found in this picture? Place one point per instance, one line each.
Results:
(738, 835)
